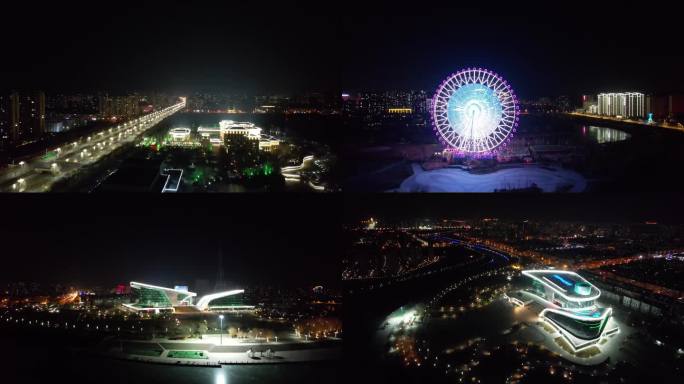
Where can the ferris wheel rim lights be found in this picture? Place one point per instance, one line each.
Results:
(494, 109)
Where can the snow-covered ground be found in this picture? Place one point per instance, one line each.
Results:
(549, 179)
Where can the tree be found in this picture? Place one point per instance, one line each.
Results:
(202, 327)
(232, 332)
(268, 334)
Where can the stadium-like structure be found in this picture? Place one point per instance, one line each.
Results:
(569, 304)
(153, 298)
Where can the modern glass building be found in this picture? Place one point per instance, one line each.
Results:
(569, 305)
(154, 298)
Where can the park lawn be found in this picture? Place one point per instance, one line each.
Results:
(188, 354)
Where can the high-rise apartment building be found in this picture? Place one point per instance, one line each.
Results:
(22, 118)
(625, 104)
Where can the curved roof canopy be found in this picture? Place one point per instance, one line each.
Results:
(568, 284)
(203, 302)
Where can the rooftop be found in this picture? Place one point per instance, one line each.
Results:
(569, 284)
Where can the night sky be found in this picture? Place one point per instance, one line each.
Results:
(280, 240)
(541, 48)
(183, 46)
(271, 47)
(586, 207)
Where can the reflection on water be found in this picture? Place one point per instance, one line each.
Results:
(220, 378)
(61, 366)
(606, 135)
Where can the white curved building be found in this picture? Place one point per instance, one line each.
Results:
(227, 300)
(569, 305)
(155, 298)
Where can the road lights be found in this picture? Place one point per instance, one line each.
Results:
(20, 185)
(221, 329)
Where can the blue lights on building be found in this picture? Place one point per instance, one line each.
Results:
(582, 289)
(563, 280)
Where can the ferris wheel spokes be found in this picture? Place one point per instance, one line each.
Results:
(475, 111)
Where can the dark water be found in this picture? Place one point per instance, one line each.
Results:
(43, 366)
(376, 305)
(612, 156)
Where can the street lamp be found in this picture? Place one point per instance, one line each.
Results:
(221, 329)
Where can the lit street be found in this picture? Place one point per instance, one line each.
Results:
(41, 172)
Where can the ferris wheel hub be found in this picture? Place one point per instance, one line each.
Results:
(475, 111)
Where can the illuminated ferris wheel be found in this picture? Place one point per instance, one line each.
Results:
(475, 111)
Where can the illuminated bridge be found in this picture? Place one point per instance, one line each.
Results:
(40, 173)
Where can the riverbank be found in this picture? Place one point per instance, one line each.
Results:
(207, 353)
(623, 122)
(215, 360)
